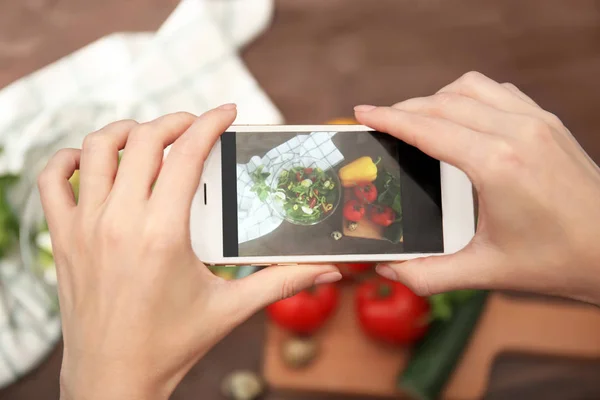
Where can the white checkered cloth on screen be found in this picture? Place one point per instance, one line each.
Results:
(255, 217)
(190, 64)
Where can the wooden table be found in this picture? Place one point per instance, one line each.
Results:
(322, 57)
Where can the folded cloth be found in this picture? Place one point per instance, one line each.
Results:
(255, 217)
(191, 64)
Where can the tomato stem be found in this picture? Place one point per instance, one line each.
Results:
(384, 290)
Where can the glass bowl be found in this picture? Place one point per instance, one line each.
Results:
(305, 191)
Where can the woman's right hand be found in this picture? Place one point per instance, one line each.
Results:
(539, 192)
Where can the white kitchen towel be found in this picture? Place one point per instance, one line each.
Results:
(255, 217)
(190, 64)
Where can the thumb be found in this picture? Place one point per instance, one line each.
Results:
(271, 284)
(437, 274)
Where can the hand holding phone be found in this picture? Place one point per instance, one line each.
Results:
(538, 191)
(138, 308)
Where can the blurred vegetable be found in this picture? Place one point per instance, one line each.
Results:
(299, 352)
(443, 305)
(307, 311)
(436, 356)
(358, 171)
(225, 272)
(74, 180)
(349, 270)
(242, 385)
(9, 222)
(342, 121)
(391, 312)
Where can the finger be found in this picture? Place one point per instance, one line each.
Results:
(439, 274)
(490, 92)
(180, 174)
(271, 284)
(56, 192)
(144, 152)
(99, 161)
(436, 137)
(517, 92)
(464, 111)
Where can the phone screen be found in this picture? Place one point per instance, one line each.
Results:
(328, 193)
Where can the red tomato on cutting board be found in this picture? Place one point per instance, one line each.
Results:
(391, 312)
(307, 311)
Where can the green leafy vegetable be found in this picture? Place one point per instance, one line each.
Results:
(9, 222)
(260, 186)
(389, 189)
(443, 305)
(307, 193)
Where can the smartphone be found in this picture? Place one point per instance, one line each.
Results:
(285, 194)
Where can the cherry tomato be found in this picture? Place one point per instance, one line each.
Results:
(308, 171)
(391, 312)
(351, 270)
(298, 176)
(383, 216)
(366, 193)
(354, 211)
(307, 311)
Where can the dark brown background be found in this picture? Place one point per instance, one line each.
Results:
(322, 57)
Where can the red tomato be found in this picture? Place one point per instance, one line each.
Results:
(298, 176)
(308, 171)
(391, 312)
(307, 311)
(350, 270)
(366, 193)
(383, 216)
(354, 211)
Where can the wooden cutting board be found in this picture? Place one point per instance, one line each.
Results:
(352, 364)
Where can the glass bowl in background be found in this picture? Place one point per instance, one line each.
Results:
(279, 200)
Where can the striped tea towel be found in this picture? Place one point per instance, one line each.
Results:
(255, 217)
(190, 64)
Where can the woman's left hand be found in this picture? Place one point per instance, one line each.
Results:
(138, 308)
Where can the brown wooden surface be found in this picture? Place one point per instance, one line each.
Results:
(322, 57)
(351, 363)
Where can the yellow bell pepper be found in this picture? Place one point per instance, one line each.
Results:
(358, 171)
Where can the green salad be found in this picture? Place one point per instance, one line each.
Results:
(308, 194)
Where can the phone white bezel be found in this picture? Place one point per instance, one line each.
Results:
(206, 225)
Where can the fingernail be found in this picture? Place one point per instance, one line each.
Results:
(387, 272)
(364, 108)
(228, 106)
(328, 277)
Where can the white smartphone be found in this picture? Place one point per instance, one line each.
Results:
(285, 194)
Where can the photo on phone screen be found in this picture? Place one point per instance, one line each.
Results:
(328, 193)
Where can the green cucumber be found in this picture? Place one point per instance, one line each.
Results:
(437, 354)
